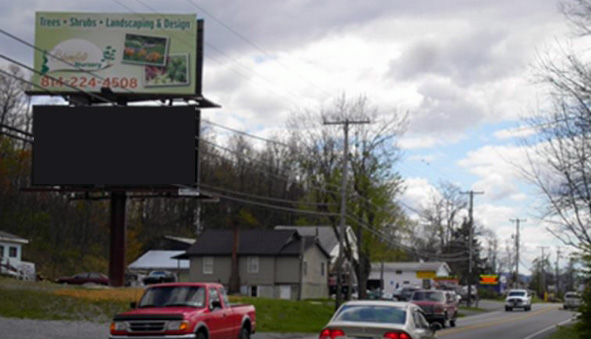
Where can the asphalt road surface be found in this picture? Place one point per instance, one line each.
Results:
(536, 324)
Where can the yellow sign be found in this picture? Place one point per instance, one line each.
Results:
(425, 275)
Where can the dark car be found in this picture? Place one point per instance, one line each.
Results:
(158, 277)
(439, 306)
(84, 278)
(404, 293)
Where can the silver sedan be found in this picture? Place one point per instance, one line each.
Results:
(364, 319)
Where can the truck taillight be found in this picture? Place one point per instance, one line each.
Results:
(331, 333)
(396, 335)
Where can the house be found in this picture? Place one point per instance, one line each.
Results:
(412, 274)
(327, 237)
(158, 260)
(271, 263)
(11, 257)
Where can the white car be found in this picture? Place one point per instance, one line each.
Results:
(378, 319)
(572, 300)
(518, 299)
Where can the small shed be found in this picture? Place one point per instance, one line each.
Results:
(161, 260)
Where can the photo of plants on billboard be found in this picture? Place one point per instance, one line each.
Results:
(145, 50)
(175, 73)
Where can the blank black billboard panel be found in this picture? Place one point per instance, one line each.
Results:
(123, 146)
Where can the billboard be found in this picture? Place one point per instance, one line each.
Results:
(489, 279)
(120, 146)
(127, 53)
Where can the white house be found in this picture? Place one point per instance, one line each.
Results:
(11, 257)
(412, 274)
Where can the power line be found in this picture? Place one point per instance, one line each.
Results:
(295, 202)
(220, 52)
(243, 38)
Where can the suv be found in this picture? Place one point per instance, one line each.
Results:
(572, 300)
(438, 306)
(518, 299)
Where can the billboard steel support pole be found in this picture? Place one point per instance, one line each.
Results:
(118, 236)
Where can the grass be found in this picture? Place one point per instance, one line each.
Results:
(565, 332)
(274, 315)
(48, 301)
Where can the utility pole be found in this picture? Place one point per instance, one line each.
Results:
(516, 221)
(341, 260)
(543, 278)
(470, 245)
(557, 270)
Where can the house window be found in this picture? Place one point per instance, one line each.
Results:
(12, 252)
(398, 272)
(305, 267)
(207, 265)
(253, 291)
(1, 251)
(252, 264)
(322, 268)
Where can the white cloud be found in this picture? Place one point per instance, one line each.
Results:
(511, 133)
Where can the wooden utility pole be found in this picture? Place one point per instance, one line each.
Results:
(516, 221)
(470, 245)
(557, 269)
(542, 281)
(342, 235)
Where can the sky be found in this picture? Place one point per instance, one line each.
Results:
(462, 69)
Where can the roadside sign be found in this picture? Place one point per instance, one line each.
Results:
(127, 53)
(489, 279)
(426, 274)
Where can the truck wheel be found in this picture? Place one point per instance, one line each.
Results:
(452, 323)
(201, 335)
(508, 309)
(244, 333)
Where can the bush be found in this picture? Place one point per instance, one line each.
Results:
(584, 326)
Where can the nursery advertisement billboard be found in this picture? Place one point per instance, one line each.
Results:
(128, 53)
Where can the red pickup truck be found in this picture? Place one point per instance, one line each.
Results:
(185, 310)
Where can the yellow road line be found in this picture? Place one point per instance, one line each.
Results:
(494, 323)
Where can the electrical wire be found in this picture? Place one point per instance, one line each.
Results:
(295, 202)
(243, 38)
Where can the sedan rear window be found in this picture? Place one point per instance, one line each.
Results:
(372, 314)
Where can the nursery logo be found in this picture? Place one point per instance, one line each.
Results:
(77, 55)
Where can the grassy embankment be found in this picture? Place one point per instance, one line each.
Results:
(565, 332)
(43, 300)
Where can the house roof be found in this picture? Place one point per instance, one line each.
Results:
(326, 234)
(158, 259)
(5, 236)
(410, 266)
(188, 241)
(251, 242)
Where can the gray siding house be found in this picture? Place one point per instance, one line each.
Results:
(272, 263)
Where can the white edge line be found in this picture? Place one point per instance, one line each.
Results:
(549, 328)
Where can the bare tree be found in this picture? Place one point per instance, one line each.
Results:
(374, 183)
(443, 215)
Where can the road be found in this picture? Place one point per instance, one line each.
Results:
(495, 324)
(509, 325)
